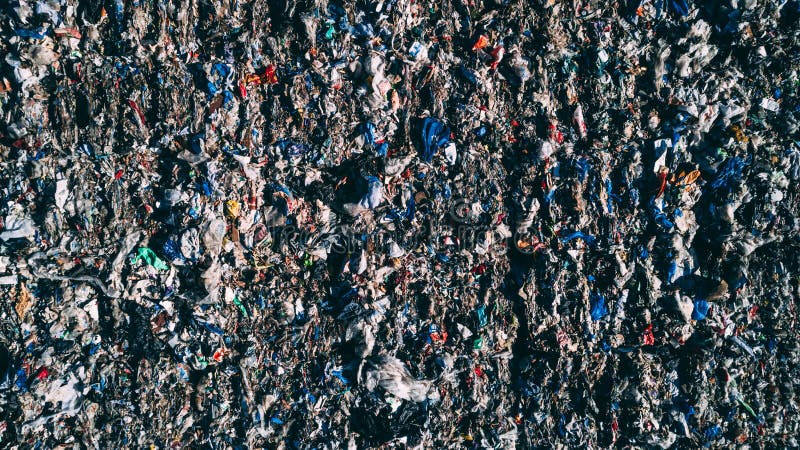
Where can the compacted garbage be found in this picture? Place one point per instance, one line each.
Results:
(319, 224)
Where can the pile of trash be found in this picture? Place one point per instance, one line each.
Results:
(399, 224)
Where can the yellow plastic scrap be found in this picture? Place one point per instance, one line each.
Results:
(738, 134)
(232, 208)
(24, 301)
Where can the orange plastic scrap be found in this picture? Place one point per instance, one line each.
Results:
(530, 244)
(483, 41)
(439, 336)
(685, 179)
(269, 76)
(64, 32)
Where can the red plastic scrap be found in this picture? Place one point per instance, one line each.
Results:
(479, 269)
(647, 337)
(43, 373)
(270, 74)
(497, 56)
(219, 355)
(662, 183)
(555, 134)
(138, 111)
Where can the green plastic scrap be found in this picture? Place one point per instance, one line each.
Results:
(747, 407)
(150, 258)
(238, 303)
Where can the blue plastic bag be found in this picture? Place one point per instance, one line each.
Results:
(374, 195)
(700, 310)
(435, 134)
(598, 305)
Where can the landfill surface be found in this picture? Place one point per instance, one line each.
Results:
(318, 224)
